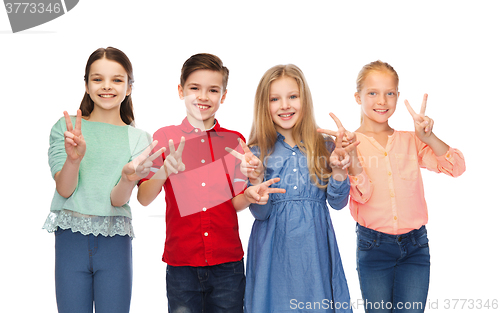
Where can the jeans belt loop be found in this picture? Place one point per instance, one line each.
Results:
(378, 239)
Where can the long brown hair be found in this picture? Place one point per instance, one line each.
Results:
(112, 54)
(263, 133)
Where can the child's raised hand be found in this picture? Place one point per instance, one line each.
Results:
(251, 166)
(347, 137)
(259, 193)
(140, 167)
(173, 162)
(345, 143)
(73, 139)
(423, 123)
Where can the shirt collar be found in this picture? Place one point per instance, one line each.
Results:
(188, 128)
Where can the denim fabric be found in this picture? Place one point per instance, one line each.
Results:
(393, 270)
(92, 270)
(208, 289)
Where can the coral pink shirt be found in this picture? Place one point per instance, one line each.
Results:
(388, 196)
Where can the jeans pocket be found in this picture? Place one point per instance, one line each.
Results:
(237, 267)
(59, 231)
(365, 243)
(423, 241)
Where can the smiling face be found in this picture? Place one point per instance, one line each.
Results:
(378, 97)
(284, 104)
(202, 93)
(107, 86)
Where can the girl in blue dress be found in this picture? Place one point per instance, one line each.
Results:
(293, 259)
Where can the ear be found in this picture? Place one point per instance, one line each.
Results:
(181, 92)
(223, 97)
(86, 88)
(357, 97)
(129, 90)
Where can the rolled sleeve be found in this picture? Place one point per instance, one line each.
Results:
(338, 193)
(361, 187)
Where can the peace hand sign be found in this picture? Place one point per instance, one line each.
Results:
(140, 167)
(251, 166)
(73, 139)
(344, 144)
(423, 124)
(348, 137)
(173, 162)
(259, 194)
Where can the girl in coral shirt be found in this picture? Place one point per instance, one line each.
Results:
(387, 195)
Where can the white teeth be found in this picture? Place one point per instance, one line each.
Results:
(381, 110)
(203, 107)
(106, 96)
(286, 115)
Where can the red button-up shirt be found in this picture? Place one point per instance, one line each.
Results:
(201, 221)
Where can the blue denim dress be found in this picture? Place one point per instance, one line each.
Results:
(293, 261)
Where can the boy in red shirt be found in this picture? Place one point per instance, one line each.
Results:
(204, 189)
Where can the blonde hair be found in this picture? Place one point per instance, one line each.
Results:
(263, 133)
(375, 66)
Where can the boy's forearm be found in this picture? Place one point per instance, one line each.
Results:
(149, 190)
(240, 202)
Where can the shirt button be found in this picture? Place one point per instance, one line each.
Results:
(203, 184)
(294, 187)
(294, 169)
(206, 234)
(293, 153)
(395, 218)
(389, 173)
(204, 209)
(392, 194)
(196, 130)
(203, 140)
(385, 153)
(202, 161)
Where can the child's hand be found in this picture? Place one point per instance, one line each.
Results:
(73, 139)
(348, 137)
(259, 193)
(423, 124)
(173, 162)
(140, 167)
(251, 166)
(340, 156)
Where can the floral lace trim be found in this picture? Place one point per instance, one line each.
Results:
(89, 224)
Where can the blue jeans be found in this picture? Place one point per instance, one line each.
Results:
(393, 270)
(92, 271)
(208, 289)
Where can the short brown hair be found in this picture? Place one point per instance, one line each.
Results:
(112, 54)
(204, 61)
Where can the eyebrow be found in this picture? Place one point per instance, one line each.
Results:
(197, 84)
(98, 74)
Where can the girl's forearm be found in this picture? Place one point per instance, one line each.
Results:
(356, 168)
(149, 190)
(437, 145)
(67, 178)
(121, 193)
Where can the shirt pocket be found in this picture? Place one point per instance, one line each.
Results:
(407, 166)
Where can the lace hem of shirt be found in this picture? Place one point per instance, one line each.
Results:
(89, 224)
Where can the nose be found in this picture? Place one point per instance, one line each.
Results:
(381, 100)
(106, 85)
(285, 105)
(203, 95)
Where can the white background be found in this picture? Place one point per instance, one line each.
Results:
(448, 49)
